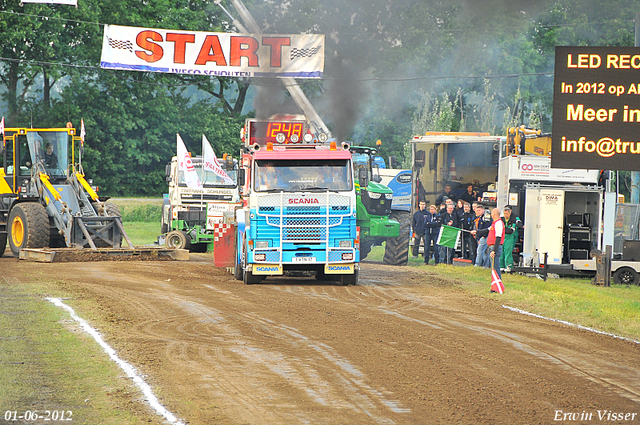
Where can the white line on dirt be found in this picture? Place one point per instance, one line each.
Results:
(126, 367)
(517, 310)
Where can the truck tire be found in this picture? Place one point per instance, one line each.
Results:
(3, 243)
(626, 276)
(248, 277)
(238, 273)
(396, 252)
(349, 279)
(28, 227)
(177, 239)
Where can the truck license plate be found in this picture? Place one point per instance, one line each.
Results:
(304, 259)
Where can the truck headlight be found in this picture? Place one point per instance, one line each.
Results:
(347, 256)
(262, 244)
(345, 244)
(260, 257)
(375, 195)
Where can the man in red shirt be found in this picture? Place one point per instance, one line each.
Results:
(496, 239)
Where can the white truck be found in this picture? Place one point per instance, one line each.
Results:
(563, 211)
(189, 214)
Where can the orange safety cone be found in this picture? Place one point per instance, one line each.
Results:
(496, 282)
(452, 170)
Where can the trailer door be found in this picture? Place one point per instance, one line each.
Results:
(551, 224)
(544, 221)
(531, 226)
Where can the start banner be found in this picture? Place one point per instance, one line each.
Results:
(216, 54)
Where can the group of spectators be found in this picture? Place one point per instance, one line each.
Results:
(482, 238)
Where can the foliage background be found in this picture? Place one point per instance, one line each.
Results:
(394, 68)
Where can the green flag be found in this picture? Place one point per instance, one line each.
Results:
(448, 236)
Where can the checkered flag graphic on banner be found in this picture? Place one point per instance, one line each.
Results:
(306, 53)
(118, 44)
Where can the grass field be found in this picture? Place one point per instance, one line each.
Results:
(141, 219)
(48, 366)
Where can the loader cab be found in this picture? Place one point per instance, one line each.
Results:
(29, 150)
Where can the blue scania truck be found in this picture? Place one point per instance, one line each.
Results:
(298, 204)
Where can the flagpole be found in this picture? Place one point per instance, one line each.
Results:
(205, 180)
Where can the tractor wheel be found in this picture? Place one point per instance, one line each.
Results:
(28, 227)
(396, 252)
(177, 239)
(3, 243)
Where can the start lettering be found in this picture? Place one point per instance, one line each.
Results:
(151, 43)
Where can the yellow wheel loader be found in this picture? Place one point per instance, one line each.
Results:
(45, 200)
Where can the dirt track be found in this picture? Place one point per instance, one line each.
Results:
(400, 347)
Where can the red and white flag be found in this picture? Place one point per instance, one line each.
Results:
(82, 132)
(186, 165)
(496, 282)
(210, 161)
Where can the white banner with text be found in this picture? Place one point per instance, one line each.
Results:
(215, 54)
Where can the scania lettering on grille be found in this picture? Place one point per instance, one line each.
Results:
(268, 269)
(304, 201)
(340, 268)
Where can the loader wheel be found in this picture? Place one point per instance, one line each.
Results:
(396, 252)
(112, 210)
(3, 243)
(28, 227)
(177, 239)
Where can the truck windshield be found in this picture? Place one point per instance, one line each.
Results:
(209, 178)
(298, 175)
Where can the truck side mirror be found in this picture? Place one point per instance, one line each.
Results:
(393, 161)
(167, 173)
(419, 161)
(363, 177)
(241, 177)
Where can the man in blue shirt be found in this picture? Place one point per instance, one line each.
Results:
(417, 224)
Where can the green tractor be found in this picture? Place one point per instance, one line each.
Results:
(373, 202)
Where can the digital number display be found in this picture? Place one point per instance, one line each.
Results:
(286, 128)
(263, 132)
